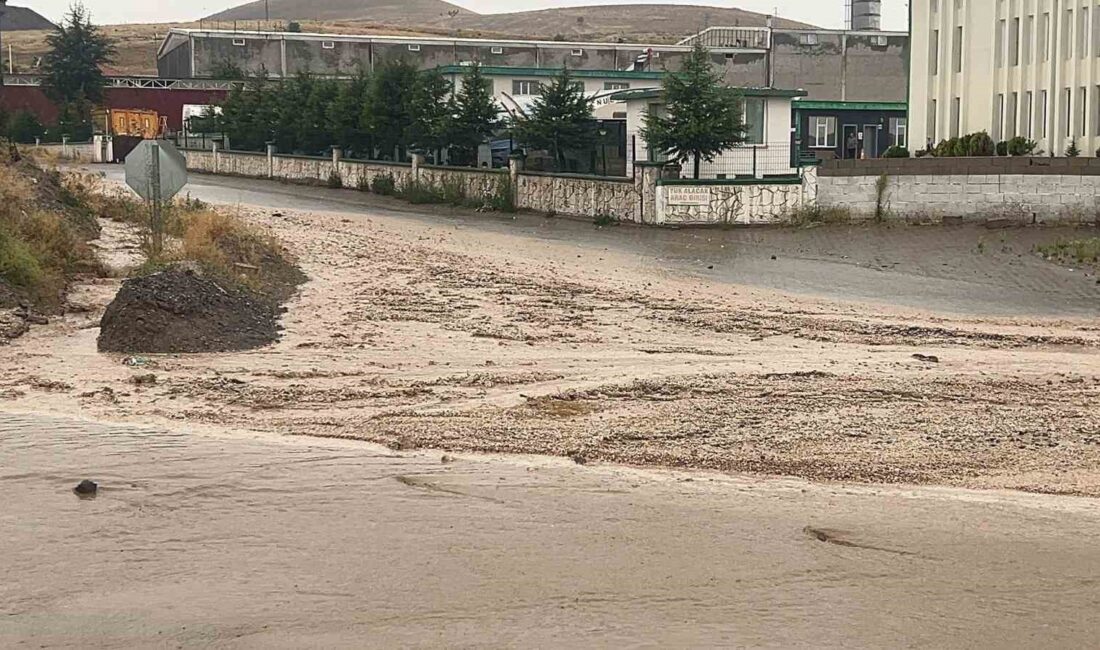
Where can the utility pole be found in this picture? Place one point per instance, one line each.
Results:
(3, 8)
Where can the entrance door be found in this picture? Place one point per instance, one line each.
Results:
(849, 143)
(870, 140)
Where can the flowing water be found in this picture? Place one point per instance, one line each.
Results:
(236, 540)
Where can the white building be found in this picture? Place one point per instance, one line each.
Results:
(1027, 68)
(766, 152)
(517, 88)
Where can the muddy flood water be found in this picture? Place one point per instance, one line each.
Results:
(260, 541)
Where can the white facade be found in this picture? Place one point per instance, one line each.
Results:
(1027, 68)
(766, 153)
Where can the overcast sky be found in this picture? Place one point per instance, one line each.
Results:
(827, 13)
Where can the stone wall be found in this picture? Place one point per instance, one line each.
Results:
(728, 203)
(645, 199)
(579, 195)
(1027, 190)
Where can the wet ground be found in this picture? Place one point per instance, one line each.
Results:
(959, 269)
(256, 541)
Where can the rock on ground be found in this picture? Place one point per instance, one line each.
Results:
(179, 311)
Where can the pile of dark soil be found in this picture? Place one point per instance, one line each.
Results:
(178, 310)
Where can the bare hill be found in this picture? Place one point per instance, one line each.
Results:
(394, 12)
(597, 22)
(626, 20)
(16, 19)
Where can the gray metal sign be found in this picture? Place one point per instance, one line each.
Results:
(156, 170)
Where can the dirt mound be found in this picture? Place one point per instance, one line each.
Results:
(178, 310)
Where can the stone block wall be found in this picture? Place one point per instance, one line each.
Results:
(729, 203)
(579, 196)
(1026, 190)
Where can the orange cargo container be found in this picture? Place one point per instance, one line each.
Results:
(137, 123)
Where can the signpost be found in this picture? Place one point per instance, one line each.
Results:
(156, 171)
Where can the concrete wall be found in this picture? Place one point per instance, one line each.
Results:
(841, 66)
(1026, 190)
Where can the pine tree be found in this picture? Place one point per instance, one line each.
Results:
(386, 114)
(430, 119)
(475, 116)
(72, 67)
(344, 115)
(559, 120)
(1072, 151)
(704, 116)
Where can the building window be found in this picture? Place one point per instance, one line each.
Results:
(1044, 37)
(1029, 34)
(879, 41)
(328, 45)
(1029, 115)
(899, 131)
(808, 39)
(1044, 112)
(1012, 116)
(521, 88)
(822, 132)
(754, 120)
(616, 85)
(958, 49)
(1067, 111)
(956, 116)
(414, 48)
(934, 53)
(1083, 32)
(1014, 43)
(998, 117)
(496, 50)
(1096, 109)
(1082, 108)
(1066, 35)
(999, 44)
(577, 52)
(239, 42)
(931, 126)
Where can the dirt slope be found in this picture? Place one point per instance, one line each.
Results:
(397, 12)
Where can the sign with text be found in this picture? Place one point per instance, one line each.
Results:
(688, 195)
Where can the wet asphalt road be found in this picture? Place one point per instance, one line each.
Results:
(957, 269)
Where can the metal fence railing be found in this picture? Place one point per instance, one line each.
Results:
(775, 159)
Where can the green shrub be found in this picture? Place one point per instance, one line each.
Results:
(896, 152)
(454, 191)
(1072, 151)
(1002, 148)
(604, 219)
(384, 184)
(1021, 146)
(18, 265)
(363, 183)
(24, 127)
(504, 195)
(335, 182)
(419, 193)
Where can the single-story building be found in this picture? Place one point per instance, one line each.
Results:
(827, 130)
(767, 152)
(516, 88)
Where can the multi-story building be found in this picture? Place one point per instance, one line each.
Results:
(831, 65)
(1028, 68)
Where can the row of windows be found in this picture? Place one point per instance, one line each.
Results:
(823, 132)
(956, 51)
(529, 88)
(1016, 115)
(413, 47)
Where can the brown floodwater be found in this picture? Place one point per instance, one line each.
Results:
(201, 538)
